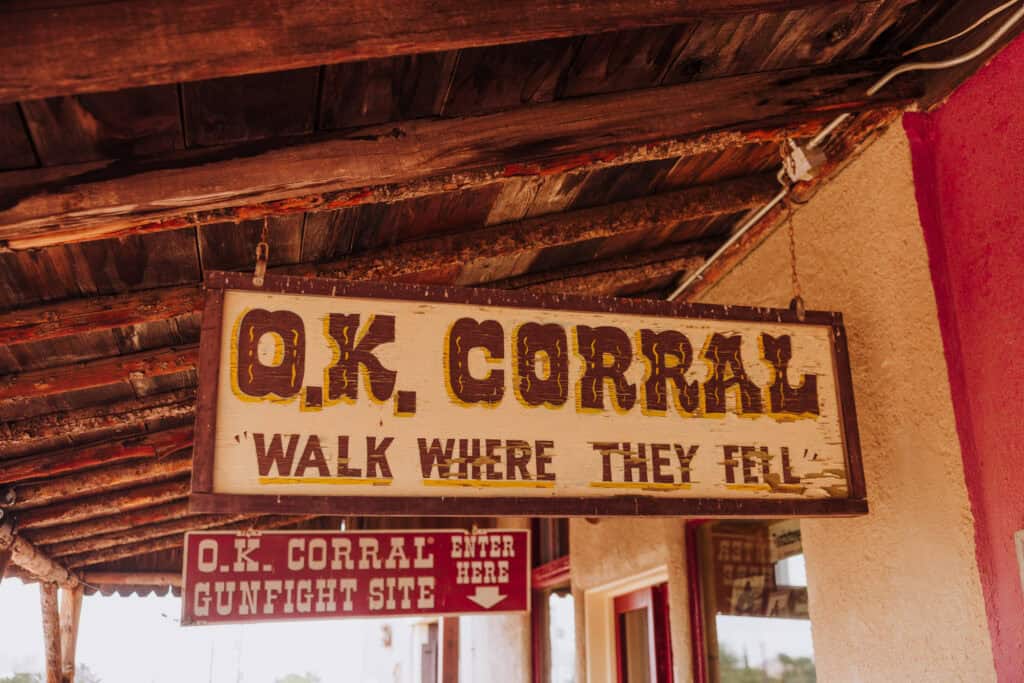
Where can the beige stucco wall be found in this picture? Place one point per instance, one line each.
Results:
(895, 595)
(617, 548)
(496, 648)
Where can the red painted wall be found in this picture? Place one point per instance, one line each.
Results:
(969, 174)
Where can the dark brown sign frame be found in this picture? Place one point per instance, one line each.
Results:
(204, 499)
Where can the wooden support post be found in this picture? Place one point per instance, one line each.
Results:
(449, 650)
(51, 630)
(5, 559)
(70, 609)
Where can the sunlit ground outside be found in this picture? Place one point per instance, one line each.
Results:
(139, 640)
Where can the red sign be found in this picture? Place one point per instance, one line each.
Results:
(242, 576)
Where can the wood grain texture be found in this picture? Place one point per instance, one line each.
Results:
(114, 125)
(133, 193)
(357, 94)
(32, 560)
(125, 43)
(17, 391)
(175, 541)
(103, 504)
(48, 600)
(141, 533)
(15, 146)
(102, 479)
(64, 429)
(70, 612)
(253, 107)
(45, 465)
(77, 316)
(119, 521)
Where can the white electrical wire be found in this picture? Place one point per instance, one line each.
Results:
(755, 217)
(995, 11)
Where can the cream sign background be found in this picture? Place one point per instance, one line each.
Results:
(322, 392)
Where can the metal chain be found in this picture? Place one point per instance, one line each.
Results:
(262, 255)
(798, 300)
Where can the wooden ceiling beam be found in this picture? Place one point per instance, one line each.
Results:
(410, 258)
(840, 151)
(157, 579)
(42, 323)
(120, 419)
(96, 47)
(81, 484)
(606, 277)
(103, 504)
(470, 252)
(176, 541)
(142, 533)
(31, 559)
(44, 465)
(46, 206)
(118, 521)
(18, 389)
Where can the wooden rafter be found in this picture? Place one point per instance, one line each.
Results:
(118, 521)
(442, 253)
(103, 579)
(46, 206)
(17, 389)
(103, 504)
(42, 465)
(142, 533)
(81, 484)
(32, 434)
(29, 325)
(31, 559)
(841, 150)
(126, 43)
(175, 541)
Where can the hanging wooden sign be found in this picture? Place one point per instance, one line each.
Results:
(244, 576)
(320, 396)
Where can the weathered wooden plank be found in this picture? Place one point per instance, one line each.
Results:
(864, 128)
(473, 249)
(617, 270)
(175, 541)
(119, 521)
(37, 494)
(96, 199)
(51, 464)
(70, 611)
(15, 389)
(500, 77)
(51, 630)
(125, 43)
(141, 533)
(103, 504)
(15, 145)
(69, 428)
(462, 249)
(252, 107)
(113, 125)
(77, 316)
(98, 578)
(356, 94)
(30, 559)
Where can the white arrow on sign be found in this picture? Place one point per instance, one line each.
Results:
(487, 596)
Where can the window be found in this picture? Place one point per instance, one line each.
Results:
(751, 619)
(554, 611)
